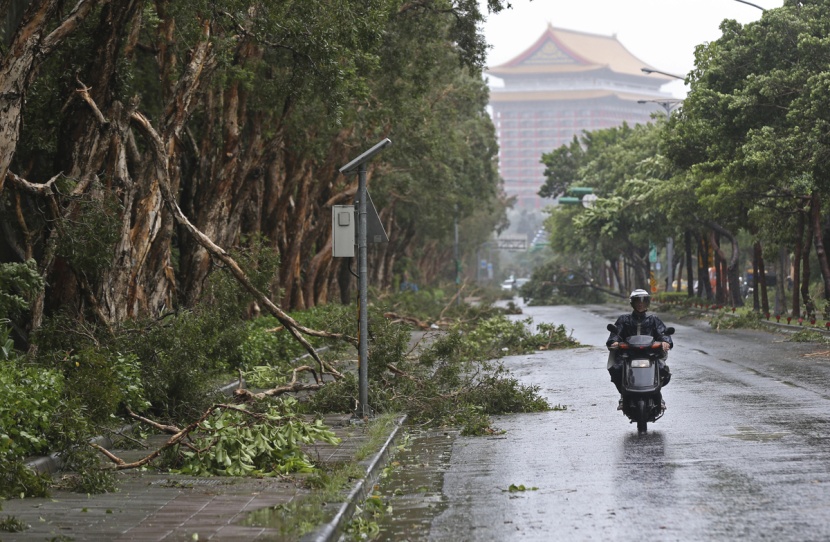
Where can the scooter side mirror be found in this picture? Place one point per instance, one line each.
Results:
(669, 331)
(611, 327)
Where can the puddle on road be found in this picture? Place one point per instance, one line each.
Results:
(413, 487)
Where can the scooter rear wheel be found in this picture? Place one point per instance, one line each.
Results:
(642, 416)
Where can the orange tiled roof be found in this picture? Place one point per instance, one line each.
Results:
(567, 51)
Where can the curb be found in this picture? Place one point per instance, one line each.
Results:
(331, 531)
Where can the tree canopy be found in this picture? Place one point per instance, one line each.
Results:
(746, 152)
(245, 110)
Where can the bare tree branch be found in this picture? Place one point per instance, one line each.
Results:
(294, 386)
(72, 21)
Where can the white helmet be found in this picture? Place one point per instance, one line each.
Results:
(640, 295)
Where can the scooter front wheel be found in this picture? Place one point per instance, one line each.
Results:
(642, 416)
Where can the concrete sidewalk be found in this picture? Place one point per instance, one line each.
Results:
(156, 506)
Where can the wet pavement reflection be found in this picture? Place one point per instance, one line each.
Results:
(412, 485)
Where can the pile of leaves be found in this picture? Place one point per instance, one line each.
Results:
(260, 442)
(257, 439)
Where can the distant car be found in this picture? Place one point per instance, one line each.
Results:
(508, 284)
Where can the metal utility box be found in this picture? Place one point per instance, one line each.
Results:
(343, 230)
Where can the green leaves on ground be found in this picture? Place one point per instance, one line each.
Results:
(12, 525)
(246, 441)
(457, 378)
(520, 488)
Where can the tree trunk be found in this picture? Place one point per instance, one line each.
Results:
(97, 135)
(762, 273)
(799, 240)
(222, 186)
(706, 279)
(806, 298)
(615, 276)
(345, 280)
(781, 283)
(689, 268)
(714, 241)
(815, 213)
(733, 267)
(756, 276)
(641, 268)
(30, 45)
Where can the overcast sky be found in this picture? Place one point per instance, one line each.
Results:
(662, 33)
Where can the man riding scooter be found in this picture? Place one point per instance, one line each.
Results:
(639, 323)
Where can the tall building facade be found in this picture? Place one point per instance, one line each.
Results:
(565, 83)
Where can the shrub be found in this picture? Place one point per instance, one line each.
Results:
(105, 383)
(807, 336)
(32, 399)
(743, 318)
(19, 481)
(18, 282)
(268, 343)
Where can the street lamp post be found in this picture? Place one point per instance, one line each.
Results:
(358, 165)
(750, 4)
(667, 74)
(668, 105)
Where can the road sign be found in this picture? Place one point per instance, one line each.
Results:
(512, 243)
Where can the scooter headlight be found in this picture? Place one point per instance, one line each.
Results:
(640, 363)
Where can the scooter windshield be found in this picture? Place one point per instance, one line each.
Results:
(640, 340)
(641, 378)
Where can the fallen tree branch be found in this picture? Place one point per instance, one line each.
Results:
(178, 435)
(169, 429)
(408, 319)
(120, 464)
(452, 300)
(160, 156)
(401, 373)
(294, 386)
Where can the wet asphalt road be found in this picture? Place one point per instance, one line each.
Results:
(741, 453)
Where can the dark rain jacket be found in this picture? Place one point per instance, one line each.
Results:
(646, 324)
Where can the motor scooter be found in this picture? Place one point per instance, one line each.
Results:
(640, 356)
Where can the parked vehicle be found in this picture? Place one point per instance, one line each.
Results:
(520, 282)
(641, 356)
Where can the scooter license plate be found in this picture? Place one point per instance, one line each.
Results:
(640, 363)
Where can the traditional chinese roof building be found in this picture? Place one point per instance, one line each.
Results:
(565, 83)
